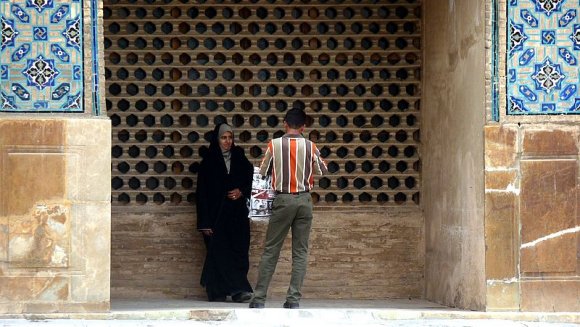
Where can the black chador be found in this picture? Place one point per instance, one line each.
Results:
(226, 264)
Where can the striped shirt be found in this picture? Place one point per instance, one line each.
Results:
(292, 160)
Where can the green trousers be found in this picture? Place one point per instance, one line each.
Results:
(288, 211)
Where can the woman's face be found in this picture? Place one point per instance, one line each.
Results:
(226, 141)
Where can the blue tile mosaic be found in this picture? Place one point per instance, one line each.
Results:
(495, 61)
(41, 57)
(95, 55)
(542, 57)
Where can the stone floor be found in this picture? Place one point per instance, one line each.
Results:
(189, 304)
(392, 312)
(281, 323)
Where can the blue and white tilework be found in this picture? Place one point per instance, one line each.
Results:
(543, 49)
(41, 58)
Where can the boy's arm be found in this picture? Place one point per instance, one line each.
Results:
(319, 164)
(265, 166)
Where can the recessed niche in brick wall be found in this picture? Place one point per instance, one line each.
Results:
(176, 68)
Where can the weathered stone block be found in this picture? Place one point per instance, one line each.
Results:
(501, 180)
(87, 146)
(553, 142)
(503, 296)
(33, 289)
(40, 239)
(500, 235)
(547, 209)
(39, 132)
(543, 295)
(500, 146)
(30, 177)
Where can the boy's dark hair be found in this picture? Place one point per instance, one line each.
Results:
(295, 118)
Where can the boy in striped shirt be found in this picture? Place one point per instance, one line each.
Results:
(292, 161)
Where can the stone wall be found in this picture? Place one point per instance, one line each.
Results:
(452, 135)
(55, 159)
(532, 217)
(355, 254)
(54, 215)
(531, 176)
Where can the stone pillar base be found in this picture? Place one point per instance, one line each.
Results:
(55, 215)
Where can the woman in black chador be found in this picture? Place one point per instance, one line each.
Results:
(224, 183)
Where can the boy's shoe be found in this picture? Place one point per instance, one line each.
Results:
(288, 305)
(255, 305)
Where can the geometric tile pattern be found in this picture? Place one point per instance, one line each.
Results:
(543, 49)
(41, 56)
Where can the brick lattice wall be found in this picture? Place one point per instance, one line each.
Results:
(175, 69)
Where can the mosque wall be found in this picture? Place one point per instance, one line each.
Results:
(451, 129)
(528, 214)
(532, 214)
(55, 150)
